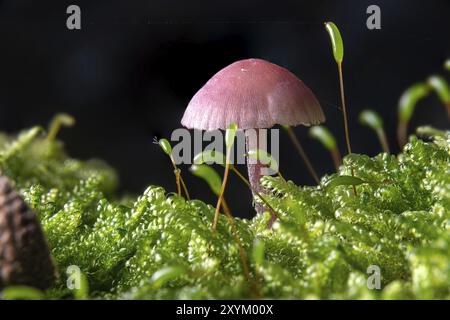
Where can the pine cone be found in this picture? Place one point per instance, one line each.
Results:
(24, 254)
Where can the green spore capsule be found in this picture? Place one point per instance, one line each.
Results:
(373, 120)
(327, 139)
(165, 146)
(430, 132)
(324, 136)
(336, 41)
(447, 64)
(406, 106)
(210, 157)
(409, 100)
(208, 174)
(440, 86)
(58, 121)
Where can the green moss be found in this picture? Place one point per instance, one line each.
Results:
(160, 246)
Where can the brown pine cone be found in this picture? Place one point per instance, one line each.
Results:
(24, 254)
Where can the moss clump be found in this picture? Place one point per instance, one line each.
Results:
(160, 246)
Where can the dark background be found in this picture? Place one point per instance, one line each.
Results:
(132, 69)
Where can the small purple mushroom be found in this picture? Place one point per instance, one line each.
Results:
(254, 94)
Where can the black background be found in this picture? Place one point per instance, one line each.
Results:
(282, 309)
(130, 72)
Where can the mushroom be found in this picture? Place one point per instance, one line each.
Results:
(254, 94)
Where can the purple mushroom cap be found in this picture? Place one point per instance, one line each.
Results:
(252, 93)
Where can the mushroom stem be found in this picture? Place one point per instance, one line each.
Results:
(272, 210)
(254, 166)
(254, 174)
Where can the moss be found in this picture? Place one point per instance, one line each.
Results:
(158, 245)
